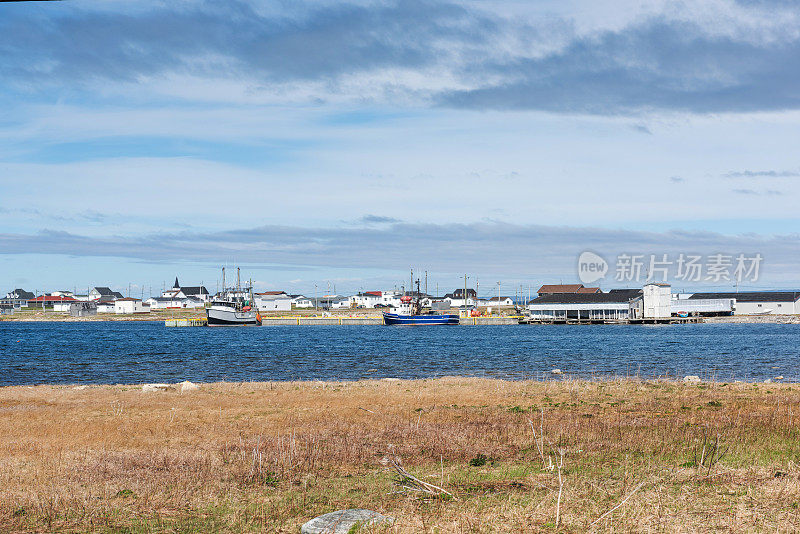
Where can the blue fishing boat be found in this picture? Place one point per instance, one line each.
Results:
(410, 312)
(420, 319)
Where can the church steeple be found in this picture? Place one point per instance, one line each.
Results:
(177, 285)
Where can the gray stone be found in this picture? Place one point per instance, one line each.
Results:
(341, 521)
(188, 386)
(691, 379)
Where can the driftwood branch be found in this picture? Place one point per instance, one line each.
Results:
(409, 482)
(623, 501)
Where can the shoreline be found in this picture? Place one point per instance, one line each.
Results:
(269, 456)
(306, 319)
(546, 378)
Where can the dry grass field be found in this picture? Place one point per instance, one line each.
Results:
(638, 456)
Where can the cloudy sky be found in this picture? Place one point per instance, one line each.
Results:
(331, 143)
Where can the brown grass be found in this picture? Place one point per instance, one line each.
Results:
(269, 456)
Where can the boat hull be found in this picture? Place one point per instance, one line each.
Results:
(419, 320)
(230, 317)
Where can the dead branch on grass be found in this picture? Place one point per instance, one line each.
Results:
(408, 482)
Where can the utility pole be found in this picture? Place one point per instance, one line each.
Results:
(465, 293)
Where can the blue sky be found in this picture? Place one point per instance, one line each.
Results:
(319, 143)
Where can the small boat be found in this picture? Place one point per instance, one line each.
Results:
(234, 306)
(410, 313)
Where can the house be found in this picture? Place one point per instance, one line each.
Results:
(550, 289)
(499, 302)
(758, 302)
(456, 298)
(300, 301)
(104, 306)
(18, 298)
(130, 305)
(273, 301)
(49, 301)
(198, 292)
(340, 303)
(105, 293)
(367, 299)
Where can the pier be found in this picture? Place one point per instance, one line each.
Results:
(194, 321)
(561, 320)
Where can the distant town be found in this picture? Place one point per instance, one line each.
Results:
(551, 302)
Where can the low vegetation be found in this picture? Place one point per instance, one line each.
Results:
(445, 455)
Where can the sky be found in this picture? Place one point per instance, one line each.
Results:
(329, 146)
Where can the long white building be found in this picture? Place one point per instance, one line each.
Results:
(757, 302)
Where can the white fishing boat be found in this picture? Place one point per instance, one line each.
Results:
(234, 306)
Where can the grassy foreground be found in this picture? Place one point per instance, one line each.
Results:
(268, 456)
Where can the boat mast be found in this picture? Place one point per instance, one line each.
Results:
(223, 281)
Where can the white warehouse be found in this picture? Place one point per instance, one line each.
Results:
(758, 302)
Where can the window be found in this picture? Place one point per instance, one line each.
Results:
(759, 305)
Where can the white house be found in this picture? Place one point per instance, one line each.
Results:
(367, 299)
(106, 306)
(340, 303)
(178, 292)
(273, 301)
(19, 298)
(104, 293)
(497, 301)
(390, 298)
(456, 298)
(130, 305)
(300, 301)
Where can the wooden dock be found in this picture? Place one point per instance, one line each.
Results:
(195, 321)
(665, 320)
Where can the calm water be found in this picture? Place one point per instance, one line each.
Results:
(134, 352)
